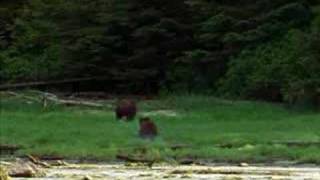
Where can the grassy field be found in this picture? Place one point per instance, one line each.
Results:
(212, 129)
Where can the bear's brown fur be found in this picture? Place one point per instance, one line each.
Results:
(126, 109)
(148, 129)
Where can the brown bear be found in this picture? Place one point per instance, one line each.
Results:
(148, 129)
(126, 109)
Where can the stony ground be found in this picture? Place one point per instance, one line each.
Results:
(134, 171)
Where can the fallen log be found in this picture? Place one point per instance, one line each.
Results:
(44, 97)
(36, 161)
(148, 162)
(52, 97)
(11, 93)
(50, 158)
(9, 149)
(132, 159)
(73, 102)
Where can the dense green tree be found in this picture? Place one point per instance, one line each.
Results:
(161, 32)
(148, 45)
(287, 69)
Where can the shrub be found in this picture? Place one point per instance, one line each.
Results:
(288, 69)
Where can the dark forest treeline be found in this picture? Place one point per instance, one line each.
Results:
(250, 49)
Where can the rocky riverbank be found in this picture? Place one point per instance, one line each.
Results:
(62, 170)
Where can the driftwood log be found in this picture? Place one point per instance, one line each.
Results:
(9, 149)
(127, 158)
(45, 97)
(74, 102)
(11, 93)
(37, 161)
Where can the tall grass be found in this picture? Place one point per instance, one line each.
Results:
(202, 123)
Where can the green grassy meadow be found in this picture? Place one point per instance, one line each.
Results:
(212, 129)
